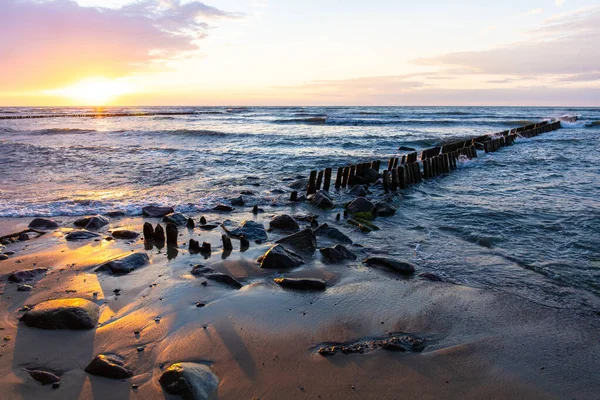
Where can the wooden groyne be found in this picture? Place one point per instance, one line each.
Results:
(412, 168)
(98, 115)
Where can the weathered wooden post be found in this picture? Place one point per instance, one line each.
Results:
(311, 183)
(352, 170)
(327, 182)
(319, 181)
(394, 186)
(385, 181)
(338, 178)
(346, 177)
(401, 177)
(171, 234)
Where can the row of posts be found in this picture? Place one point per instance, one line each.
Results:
(97, 115)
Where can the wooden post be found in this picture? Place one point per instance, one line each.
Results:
(425, 168)
(311, 183)
(403, 160)
(346, 176)
(353, 170)
(473, 152)
(385, 181)
(319, 181)
(395, 163)
(394, 178)
(338, 178)
(327, 182)
(294, 196)
(401, 177)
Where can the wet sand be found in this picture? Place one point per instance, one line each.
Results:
(262, 340)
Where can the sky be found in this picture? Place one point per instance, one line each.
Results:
(299, 52)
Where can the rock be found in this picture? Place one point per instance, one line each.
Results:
(244, 243)
(124, 265)
(191, 381)
(3, 257)
(24, 288)
(43, 377)
(227, 246)
(194, 247)
(302, 283)
(431, 277)
(223, 208)
(383, 209)
(172, 234)
(190, 223)
(81, 235)
(95, 222)
(393, 265)
(159, 234)
(337, 254)
(294, 196)
(26, 274)
(332, 233)
(208, 227)
(304, 241)
(278, 257)
(360, 206)
(224, 278)
(371, 175)
(299, 184)
(405, 148)
(321, 199)
(357, 180)
(237, 201)
(175, 218)
(155, 211)
(284, 222)
(114, 214)
(125, 234)
(358, 190)
(43, 224)
(205, 249)
(109, 366)
(77, 314)
(200, 269)
(250, 230)
(148, 232)
(202, 220)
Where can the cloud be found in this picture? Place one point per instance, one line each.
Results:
(559, 2)
(52, 43)
(564, 45)
(534, 11)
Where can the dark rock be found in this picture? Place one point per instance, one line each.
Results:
(332, 233)
(247, 193)
(393, 265)
(223, 208)
(125, 265)
(175, 218)
(244, 243)
(159, 234)
(202, 220)
(383, 209)
(321, 199)
(95, 222)
(155, 211)
(299, 184)
(205, 249)
(302, 283)
(237, 201)
(43, 224)
(194, 247)
(337, 254)
(148, 232)
(357, 180)
(199, 270)
(208, 227)
(109, 366)
(304, 241)
(224, 278)
(81, 235)
(125, 234)
(371, 175)
(278, 257)
(114, 214)
(360, 205)
(294, 196)
(431, 277)
(358, 190)
(284, 222)
(172, 234)
(250, 230)
(26, 274)
(43, 377)
(404, 343)
(24, 288)
(405, 148)
(227, 246)
(191, 381)
(3, 257)
(190, 223)
(74, 314)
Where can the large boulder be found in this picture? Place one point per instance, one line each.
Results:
(303, 241)
(360, 205)
(94, 222)
(358, 190)
(125, 234)
(299, 184)
(371, 175)
(77, 314)
(26, 274)
(250, 230)
(301, 283)
(156, 211)
(81, 235)
(224, 278)
(237, 201)
(321, 199)
(176, 218)
(332, 233)
(401, 267)
(43, 224)
(109, 366)
(285, 223)
(384, 209)
(124, 265)
(191, 381)
(278, 257)
(336, 254)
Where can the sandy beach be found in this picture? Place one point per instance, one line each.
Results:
(262, 340)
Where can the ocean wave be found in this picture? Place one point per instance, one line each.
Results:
(308, 120)
(580, 124)
(192, 132)
(519, 122)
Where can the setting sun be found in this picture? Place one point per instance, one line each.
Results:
(93, 91)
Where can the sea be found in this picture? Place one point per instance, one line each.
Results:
(524, 219)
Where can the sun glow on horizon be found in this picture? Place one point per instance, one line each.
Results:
(93, 91)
